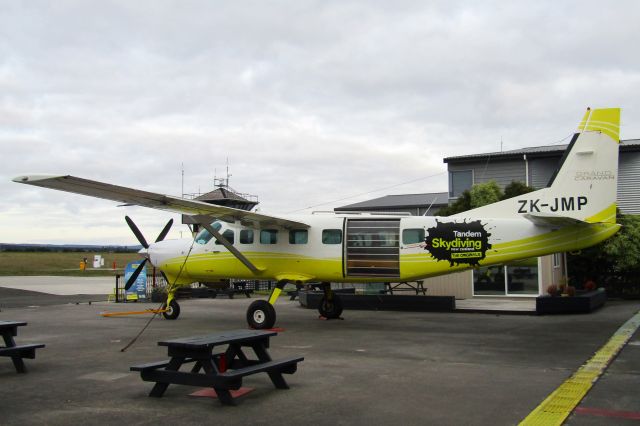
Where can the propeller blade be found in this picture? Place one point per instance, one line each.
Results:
(132, 279)
(136, 232)
(165, 231)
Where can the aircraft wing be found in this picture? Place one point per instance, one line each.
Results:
(552, 221)
(155, 201)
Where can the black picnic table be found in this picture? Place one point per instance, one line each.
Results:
(9, 329)
(223, 370)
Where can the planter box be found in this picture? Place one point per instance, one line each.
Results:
(158, 297)
(578, 304)
(383, 302)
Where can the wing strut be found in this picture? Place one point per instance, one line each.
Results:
(241, 257)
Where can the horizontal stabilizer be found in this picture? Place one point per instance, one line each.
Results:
(552, 221)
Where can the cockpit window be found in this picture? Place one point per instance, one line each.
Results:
(204, 236)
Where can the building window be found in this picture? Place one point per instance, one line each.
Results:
(331, 236)
(298, 236)
(268, 236)
(228, 235)
(489, 280)
(459, 181)
(412, 236)
(246, 236)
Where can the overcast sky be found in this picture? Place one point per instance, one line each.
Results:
(314, 103)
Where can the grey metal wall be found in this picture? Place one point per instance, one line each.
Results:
(541, 170)
(502, 171)
(628, 179)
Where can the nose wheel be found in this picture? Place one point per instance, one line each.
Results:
(261, 315)
(172, 311)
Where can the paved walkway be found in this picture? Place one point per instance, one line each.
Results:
(60, 285)
(498, 304)
(373, 368)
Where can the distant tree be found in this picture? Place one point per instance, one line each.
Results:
(482, 194)
(516, 188)
(485, 193)
(462, 204)
(614, 263)
(624, 247)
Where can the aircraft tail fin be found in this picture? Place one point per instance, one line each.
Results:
(584, 187)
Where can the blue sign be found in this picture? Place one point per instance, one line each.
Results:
(139, 287)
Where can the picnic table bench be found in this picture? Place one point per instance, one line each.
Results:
(224, 370)
(418, 287)
(9, 329)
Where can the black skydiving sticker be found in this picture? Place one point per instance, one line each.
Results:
(458, 242)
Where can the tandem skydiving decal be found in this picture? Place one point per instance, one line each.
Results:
(458, 243)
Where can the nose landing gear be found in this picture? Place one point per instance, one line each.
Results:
(261, 315)
(171, 310)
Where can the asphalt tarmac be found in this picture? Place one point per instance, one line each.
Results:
(373, 368)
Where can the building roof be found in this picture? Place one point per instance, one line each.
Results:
(400, 201)
(221, 194)
(536, 151)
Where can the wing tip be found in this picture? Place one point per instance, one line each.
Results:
(34, 178)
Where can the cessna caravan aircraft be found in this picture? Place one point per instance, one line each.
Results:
(576, 210)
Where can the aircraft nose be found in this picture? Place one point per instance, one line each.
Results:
(149, 253)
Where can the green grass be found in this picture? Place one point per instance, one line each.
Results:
(62, 263)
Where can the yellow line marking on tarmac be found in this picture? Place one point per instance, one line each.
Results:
(560, 403)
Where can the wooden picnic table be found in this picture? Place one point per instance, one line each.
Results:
(9, 329)
(222, 370)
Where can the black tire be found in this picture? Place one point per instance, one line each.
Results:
(330, 309)
(173, 311)
(261, 315)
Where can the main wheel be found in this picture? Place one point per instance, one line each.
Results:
(261, 315)
(173, 311)
(330, 309)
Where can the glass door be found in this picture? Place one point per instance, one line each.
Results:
(515, 279)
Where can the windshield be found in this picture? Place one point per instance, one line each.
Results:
(204, 236)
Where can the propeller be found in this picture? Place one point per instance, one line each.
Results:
(132, 279)
(136, 231)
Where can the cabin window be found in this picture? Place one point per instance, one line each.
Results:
(412, 236)
(298, 236)
(331, 236)
(268, 236)
(204, 236)
(246, 236)
(228, 235)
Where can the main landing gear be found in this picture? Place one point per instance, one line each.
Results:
(331, 305)
(261, 314)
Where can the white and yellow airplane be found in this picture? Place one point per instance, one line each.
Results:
(576, 210)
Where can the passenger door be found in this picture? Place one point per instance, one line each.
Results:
(372, 248)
